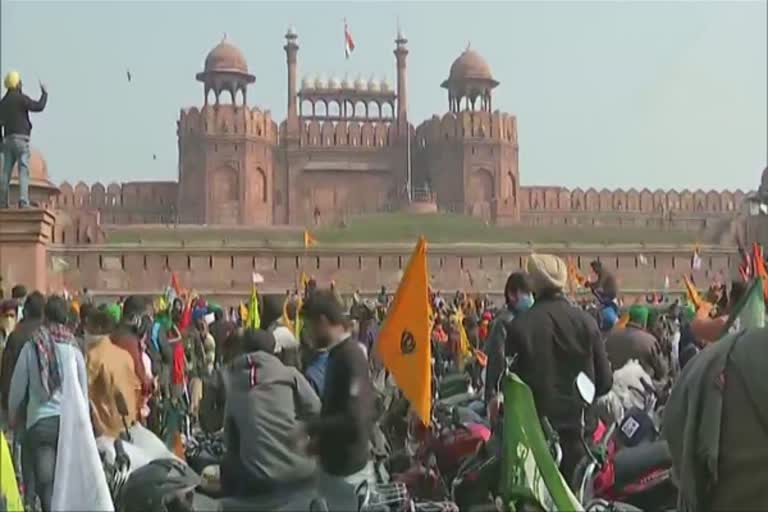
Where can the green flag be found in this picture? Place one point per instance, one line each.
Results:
(528, 470)
(750, 310)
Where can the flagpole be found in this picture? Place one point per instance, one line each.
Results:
(408, 164)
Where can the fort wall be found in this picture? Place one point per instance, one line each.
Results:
(225, 269)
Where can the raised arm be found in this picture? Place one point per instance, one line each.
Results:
(39, 105)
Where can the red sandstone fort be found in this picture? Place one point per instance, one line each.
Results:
(347, 147)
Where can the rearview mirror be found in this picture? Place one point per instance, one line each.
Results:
(586, 388)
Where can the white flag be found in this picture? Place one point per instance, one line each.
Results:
(696, 260)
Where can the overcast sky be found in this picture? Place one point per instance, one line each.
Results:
(607, 94)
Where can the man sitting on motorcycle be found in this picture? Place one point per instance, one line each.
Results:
(264, 403)
(554, 341)
(635, 342)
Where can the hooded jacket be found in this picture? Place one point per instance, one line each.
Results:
(265, 401)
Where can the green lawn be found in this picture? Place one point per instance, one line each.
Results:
(402, 227)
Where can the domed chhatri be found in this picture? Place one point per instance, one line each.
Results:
(373, 85)
(470, 66)
(346, 83)
(320, 83)
(307, 83)
(334, 84)
(360, 84)
(38, 169)
(226, 57)
(384, 85)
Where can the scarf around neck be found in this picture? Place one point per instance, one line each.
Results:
(45, 340)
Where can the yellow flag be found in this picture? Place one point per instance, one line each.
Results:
(404, 342)
(465, 349)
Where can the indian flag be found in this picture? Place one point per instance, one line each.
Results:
(349, 43)
(750, 310)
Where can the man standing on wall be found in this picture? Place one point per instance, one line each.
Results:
(14, 119)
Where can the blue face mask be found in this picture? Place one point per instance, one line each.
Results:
(524, 303)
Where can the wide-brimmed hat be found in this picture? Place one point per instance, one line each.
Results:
(547, 271)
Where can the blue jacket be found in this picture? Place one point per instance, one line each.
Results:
(315, 371)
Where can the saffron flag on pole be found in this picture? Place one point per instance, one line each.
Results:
(349, 43)
(404, 343)
(309, 240)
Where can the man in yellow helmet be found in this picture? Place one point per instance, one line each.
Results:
(16, 129)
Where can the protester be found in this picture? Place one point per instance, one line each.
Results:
(220, 329)
(7, 321)
(14, 119)
(265, 401)
(553, 342)
(43, 365)
(33, 318)
(714, 423)
(635, 342)
(127, 336)
(340, 436)
(518, 298)
(110, 373)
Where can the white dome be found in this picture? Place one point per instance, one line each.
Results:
(291, 32)
(360, 84)
(333, 84)
(373, 85)
(307, 83)
(345, 83)
(384, 85)
(320, 82)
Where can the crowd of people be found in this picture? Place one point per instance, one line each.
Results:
(289, 379)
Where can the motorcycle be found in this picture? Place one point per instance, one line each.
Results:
(439, 449)
(627, 463)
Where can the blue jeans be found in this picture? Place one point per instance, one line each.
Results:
(15, 150)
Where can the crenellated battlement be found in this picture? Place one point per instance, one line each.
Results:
(697, 202)
(223, 120)
(348, 134)
(496, 126)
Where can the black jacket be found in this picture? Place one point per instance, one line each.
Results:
(342, 432)
(554, 341)
(14, 112)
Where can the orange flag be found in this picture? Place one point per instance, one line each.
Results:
(309, 240)
(404, 341)
(693, 293)
(176, 285)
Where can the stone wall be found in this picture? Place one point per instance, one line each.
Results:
(481, 268)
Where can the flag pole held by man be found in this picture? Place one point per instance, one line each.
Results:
(404, 343)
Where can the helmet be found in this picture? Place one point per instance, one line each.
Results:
(12, 80)
(158, 484)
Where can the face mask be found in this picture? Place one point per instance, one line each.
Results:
(524, 303)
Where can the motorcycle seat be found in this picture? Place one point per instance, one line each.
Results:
(631, 463)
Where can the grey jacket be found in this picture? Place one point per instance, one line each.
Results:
(635, 343)
(265, 402)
